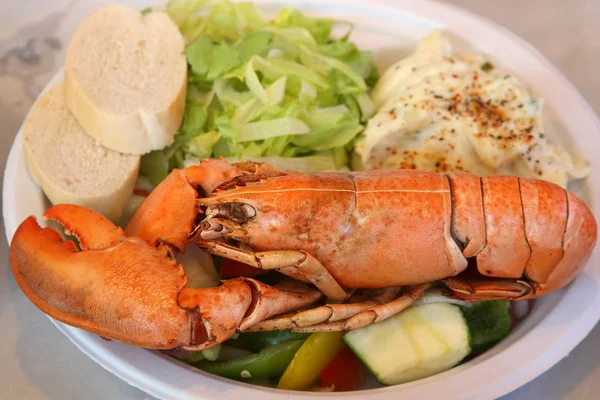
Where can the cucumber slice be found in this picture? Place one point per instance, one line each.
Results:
(420, 341)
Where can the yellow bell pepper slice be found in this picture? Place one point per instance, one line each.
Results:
(317, 351)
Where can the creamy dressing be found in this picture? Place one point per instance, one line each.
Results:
(445, 112)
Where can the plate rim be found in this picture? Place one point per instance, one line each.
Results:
(572, 335)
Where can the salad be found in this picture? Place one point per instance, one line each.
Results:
(432, 336)
(295, 92)
(282, 90)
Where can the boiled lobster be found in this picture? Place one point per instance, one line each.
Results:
(357, 248)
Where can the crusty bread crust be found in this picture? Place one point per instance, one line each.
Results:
(127, 88)
(113, 174)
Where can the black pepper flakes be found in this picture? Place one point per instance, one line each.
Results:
(487, 66)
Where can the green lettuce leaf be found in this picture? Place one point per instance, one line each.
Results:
(282, 90)
(320, 29)
(271, 128)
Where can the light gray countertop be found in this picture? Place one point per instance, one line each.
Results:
(38, 362)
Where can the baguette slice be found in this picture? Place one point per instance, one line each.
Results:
(126, 78)
(69, 165)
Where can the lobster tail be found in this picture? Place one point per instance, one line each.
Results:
(531, 231)
(545, 214)
(578, 242)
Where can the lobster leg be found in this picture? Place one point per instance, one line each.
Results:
(332, 317)
(342, 311)
(218, 312)
(384, 311)
(270, 301)
(289, 262)
(480, 289)
(278, 323)
(315, 321)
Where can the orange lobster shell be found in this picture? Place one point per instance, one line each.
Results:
(358, 246)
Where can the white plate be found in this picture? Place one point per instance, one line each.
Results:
(390, 29)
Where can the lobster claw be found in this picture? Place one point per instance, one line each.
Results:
(169, 214)
(216, 312)
(118, 287)
(125, 289)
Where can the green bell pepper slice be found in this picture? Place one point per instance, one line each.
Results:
(257, 341)
(269, 363)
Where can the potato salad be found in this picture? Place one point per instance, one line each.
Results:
(447, 112)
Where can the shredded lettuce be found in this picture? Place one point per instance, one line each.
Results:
(317, 163)
(282, 90)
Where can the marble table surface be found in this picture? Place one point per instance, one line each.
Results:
(38, 362)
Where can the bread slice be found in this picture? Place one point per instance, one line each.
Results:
(126, 78)
(69, 165)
